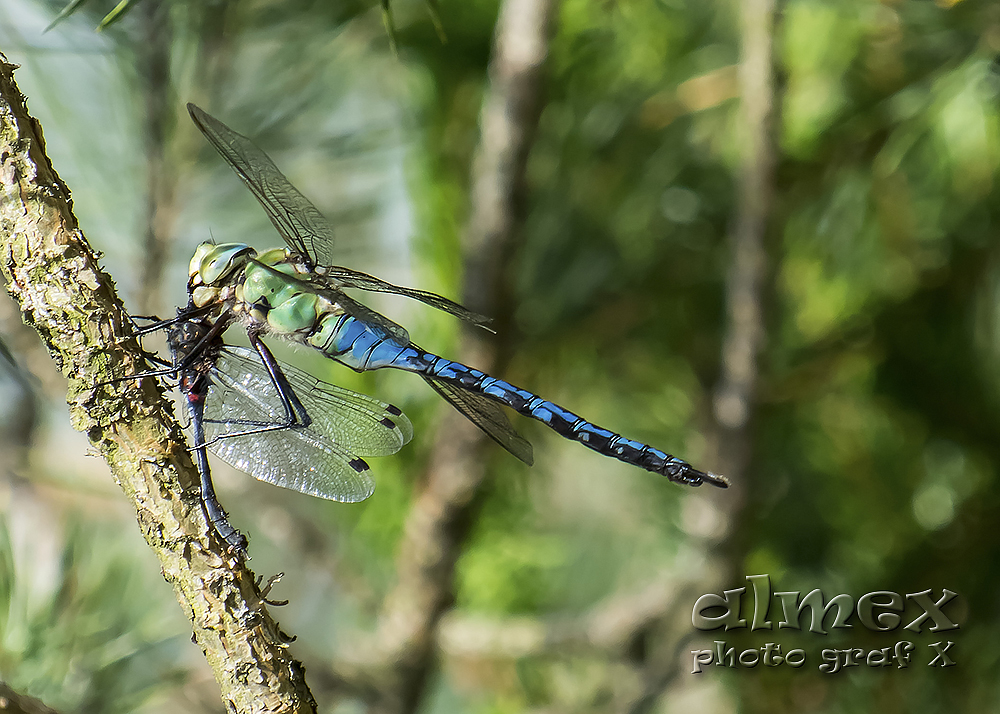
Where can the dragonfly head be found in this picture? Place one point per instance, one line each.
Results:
(214, 267)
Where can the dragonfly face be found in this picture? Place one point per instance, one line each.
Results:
(214, 268)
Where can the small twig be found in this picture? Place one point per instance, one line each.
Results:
(271, 581)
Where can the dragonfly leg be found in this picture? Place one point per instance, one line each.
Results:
(217, 516)
(295, 413)
(191, 354)
(183, 315)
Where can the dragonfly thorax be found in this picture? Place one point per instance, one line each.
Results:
(276, 293)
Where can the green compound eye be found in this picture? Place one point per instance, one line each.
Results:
(214, 263)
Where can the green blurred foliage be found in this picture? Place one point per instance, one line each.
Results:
(875, 448)
(91, 629)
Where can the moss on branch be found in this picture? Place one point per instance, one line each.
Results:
(53, 273)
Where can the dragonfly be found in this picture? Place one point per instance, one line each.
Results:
(297, 293)
(273, 421)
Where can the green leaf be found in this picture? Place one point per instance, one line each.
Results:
(116, 14)
(66, 12)
(390, 26)
(435, 12)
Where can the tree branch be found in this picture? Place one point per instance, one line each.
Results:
(745, 282)
(734, 399)
(52, 272)
(13, 703)
(152, 52)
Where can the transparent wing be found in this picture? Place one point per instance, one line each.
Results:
(302, 463)
(355, 422)
(487, 415)
(353, 279)
(320, 459)
(299, 222)
(390, 329)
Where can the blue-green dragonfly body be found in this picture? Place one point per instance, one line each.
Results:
(298, 294)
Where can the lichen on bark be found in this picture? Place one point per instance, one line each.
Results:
(52, 272)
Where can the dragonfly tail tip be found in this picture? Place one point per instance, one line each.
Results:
(716, 480)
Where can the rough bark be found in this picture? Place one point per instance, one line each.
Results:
(53, 273)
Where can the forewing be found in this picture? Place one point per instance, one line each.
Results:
(299, 222)
(353, 279)
(487, 415)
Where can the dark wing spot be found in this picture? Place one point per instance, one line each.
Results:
(395, 411)
(358, 465)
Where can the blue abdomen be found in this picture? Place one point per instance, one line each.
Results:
(359, 345)
(363, 346)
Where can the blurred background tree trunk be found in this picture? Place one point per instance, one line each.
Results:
(447, 498)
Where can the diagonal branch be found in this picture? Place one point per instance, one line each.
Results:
(52, 272)
(14, 703)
